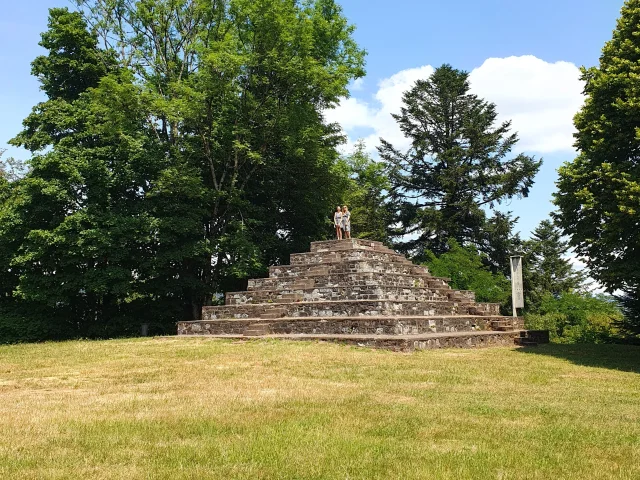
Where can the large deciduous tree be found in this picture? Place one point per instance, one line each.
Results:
(598, 194)
(366, 187)
(182, 147)
(458, 163)
(74, 222)
(236, 91)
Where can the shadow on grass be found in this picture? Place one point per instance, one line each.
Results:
(616, 357)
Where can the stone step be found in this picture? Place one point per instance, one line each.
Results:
(335, 293)
(320, 258)
(481, 308)
(256, 329)
(347, 244)
(279, 284)
(347, 308)
(378, 325)
(502, 325)
(340, 279)
(270, 312)
(457, 296)
(347, 280)
(534, 337)
(288, 297)
(401, 343)
(350, 266)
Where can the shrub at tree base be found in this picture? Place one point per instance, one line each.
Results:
(465, 268)
(577, 318)
(570, 317)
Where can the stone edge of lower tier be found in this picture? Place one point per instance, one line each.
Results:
(339, 302)
(398, 343)
(363, 318)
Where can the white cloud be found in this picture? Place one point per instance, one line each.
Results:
(357, 84)
(540, 98)
(351, 113)
(592, 286)
(354, 113)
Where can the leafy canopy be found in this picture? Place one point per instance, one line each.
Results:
(182, 147)
(466, 269)
(577, 318)
(598, 195)
(366, 194)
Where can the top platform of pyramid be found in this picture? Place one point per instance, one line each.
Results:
(349, 244)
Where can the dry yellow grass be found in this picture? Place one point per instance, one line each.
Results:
(199, 408)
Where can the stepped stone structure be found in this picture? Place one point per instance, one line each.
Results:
(360, 292)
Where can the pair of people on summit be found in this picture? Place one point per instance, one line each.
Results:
(342, 222)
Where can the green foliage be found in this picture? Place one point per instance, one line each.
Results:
(555, 299)
(630, 305)
(500, 242)
(72, 66)
(457, 163)
(577, 318)
(546, 270)
(236, 91)
(366, 194)
(187, 153)
(598, 194)
(73, 63)
(11, 169)
(29, 322)
(465, 267)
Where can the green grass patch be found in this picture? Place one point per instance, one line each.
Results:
(187, 408)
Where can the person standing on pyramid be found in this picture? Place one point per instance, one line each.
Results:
(337, 222)
(346, 221)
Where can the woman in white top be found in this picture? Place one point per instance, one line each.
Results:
(346, 221)
(337, 222)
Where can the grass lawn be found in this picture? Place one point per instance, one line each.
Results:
(196, 408)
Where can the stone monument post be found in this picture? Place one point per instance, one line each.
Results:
(517, 290)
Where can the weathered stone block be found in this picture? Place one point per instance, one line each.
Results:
(363, 293)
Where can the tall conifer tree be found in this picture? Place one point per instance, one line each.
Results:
(547, 269)
(457, 164)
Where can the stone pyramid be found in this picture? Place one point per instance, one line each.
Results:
(359, 292)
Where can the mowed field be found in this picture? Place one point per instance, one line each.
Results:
(191, 408)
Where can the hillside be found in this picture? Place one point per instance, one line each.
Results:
(201, 408)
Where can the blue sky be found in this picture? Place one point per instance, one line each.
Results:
(406, 33)
(523, 56)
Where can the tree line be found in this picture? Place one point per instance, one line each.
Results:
(182, 148)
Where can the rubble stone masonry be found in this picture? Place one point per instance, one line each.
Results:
(361, 292)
